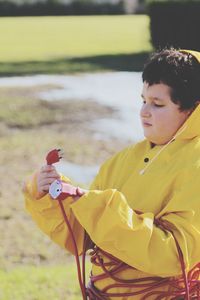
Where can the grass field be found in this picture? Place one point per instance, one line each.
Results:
(40, 283)
(72, 44)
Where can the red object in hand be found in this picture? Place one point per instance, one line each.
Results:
(59, 189)
(53, 156)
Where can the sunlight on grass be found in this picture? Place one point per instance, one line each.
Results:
(40, 283)
(45, 38)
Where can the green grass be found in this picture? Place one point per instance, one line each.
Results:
(72, 44)
(40, 283)
(44, 38)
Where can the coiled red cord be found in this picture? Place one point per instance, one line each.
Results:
(148, 286)
(186, 286)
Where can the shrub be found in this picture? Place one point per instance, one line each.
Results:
(175, 23)
(56, 8)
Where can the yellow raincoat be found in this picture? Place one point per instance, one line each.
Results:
(162, 182)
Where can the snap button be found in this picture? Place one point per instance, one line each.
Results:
(146, 159)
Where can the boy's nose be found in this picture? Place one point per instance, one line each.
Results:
(145, 111)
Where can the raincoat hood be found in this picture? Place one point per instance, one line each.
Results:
(191, 127)
(196, 54)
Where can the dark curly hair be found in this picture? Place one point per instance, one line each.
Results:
(180, 71)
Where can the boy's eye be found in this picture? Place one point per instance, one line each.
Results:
(155, 104)
(158, 105)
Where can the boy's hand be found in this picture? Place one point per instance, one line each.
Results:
(44, 178)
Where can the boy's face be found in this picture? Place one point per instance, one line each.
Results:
(160, 117)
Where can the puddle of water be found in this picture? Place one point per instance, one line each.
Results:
(79, 174)
(120, 90)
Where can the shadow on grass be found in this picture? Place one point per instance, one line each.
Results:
(116, 62)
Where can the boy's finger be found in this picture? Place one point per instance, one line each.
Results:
(52, 174)
(48, 178)
(45, 181)
(45, 188)
(47, 168)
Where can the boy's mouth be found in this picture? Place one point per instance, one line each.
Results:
(146, 124)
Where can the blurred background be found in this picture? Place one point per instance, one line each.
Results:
(70, 78)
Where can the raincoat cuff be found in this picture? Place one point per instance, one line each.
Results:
(43, 203)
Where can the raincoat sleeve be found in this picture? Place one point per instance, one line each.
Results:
(134, 238)
(48, 216)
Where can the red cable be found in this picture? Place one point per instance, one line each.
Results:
(81, 280)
